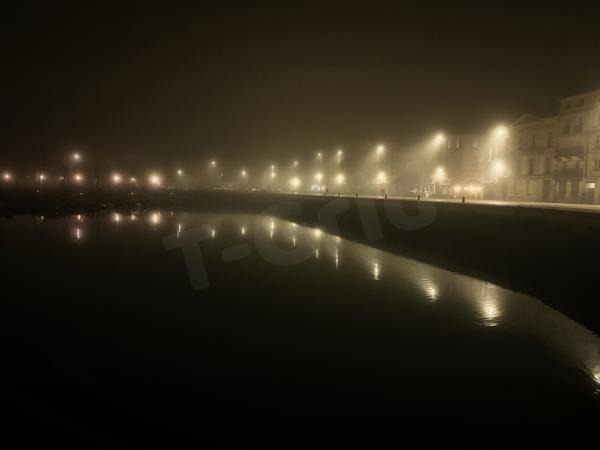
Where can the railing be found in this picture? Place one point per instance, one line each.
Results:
(569, 172)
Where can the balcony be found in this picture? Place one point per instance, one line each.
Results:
(568, 172)
(569, 152)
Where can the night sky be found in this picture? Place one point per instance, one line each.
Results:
(261, 81)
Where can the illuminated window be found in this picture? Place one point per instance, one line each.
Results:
(590, 185)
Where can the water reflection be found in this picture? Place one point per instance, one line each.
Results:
(431, 290)
(484, 305)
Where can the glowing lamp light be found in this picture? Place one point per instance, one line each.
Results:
(439, 138)
(295, 164)
(381, 178)
(6, 176)
(501, 131)
(340, 178)
(179, 172)
(319, 177)
(154, 180)
(380, 149)
(213, 163)
(295, 182)
(244, 173)
(78, 178)
(76, 156)
(116, 178)
(439, 174)
(42, 177)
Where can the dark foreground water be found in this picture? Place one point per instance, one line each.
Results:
(296, 339)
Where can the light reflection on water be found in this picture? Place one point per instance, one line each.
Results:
(491, 306)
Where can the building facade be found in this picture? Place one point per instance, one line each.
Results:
(551, 159)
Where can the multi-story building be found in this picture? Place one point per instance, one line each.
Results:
(531, 163)
(554, 158)
(577, 171)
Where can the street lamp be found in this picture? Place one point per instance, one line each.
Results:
(501, 131)
(154, 180)
(213, 163)
(116, 178)
(76, 157)
(295, 183)
(6, 176)
(179, 172)
(78, 178)
(340, 178)
(318, 177)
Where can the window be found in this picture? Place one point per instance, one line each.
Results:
(590, 185)
(597, 164)
(567, 127)
(548, 166)
(579, 125)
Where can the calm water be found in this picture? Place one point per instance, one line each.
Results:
(106, 342)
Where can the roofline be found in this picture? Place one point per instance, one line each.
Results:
(597, 91)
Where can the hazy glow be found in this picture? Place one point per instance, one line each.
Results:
(213, 233)
(317, 233)
(439, 139)
(295, 182)
(439, 174)
(213, 163)
(76, 156)
(155, 218)
(380, 149)
(116, 178)
(6, 176)
(116, 217)
(501, 131)
(381, 178)
(295, 164)
(78, 177)
(340, 178)
(179, 172)
(243, 173)
(319, 177)
(42, 177)
(243, 231)
(154, 180)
